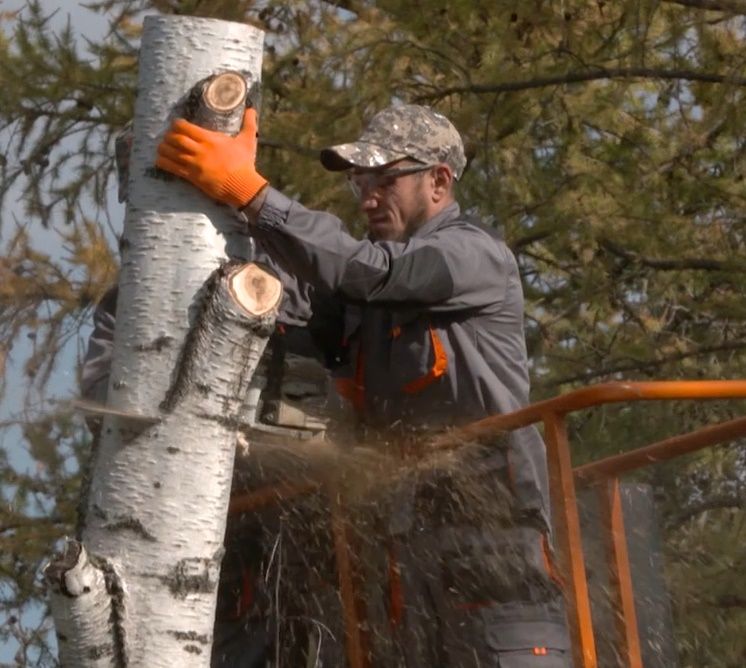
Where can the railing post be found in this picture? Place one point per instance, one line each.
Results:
(355, 640)
(568, 540)
(623, 601)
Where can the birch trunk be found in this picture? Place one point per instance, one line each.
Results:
(190, 331)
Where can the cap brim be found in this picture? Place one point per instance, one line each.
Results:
(357, 154)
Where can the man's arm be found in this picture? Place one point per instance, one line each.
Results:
(94, 377)
(457, 267)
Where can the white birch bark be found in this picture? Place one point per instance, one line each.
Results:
(174, 237)
(186, 345)
(82, 609)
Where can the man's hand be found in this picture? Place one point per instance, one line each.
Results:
(221, 166)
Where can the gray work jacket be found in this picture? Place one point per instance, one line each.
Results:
(434, 324)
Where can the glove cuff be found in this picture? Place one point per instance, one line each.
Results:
(242, 186)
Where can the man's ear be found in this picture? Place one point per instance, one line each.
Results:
(442, 182)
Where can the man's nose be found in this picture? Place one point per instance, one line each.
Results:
(369, 199)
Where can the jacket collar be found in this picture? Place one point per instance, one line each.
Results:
(451, 212)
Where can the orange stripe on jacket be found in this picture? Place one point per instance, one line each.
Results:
(438, 369)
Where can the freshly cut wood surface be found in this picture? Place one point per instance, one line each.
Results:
(225, 92)
(255, 289)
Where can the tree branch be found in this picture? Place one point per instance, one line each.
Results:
(729, 6)
(528, 239)
(700, 264)
(594, 74)
(27, 522)
(731, 601)
(721, 502)
(642, 365)
(292, 148)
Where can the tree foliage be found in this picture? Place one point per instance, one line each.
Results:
(606, 140)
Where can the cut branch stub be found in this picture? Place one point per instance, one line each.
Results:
(218, 102)
(57, 571)
(237, 312)
(83, 610)
(254, 289)
(224, 93)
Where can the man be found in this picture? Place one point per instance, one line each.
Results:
(433, 328)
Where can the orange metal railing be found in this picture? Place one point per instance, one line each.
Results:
(563, 479)
(604, 475)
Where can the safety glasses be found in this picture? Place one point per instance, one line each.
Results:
(369, 182)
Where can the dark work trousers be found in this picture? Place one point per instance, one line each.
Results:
(468, 576)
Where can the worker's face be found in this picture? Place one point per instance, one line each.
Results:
(396, 200)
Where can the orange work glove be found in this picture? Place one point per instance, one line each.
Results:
(221, 166)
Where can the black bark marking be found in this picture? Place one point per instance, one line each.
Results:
(159, 174)
(193, 649)
(172, 450)
(116, 618)
(228, 421)
(190, 635)
(99, 652)
(131, 524)
(254, 96)
(157, 345)
(194, 575)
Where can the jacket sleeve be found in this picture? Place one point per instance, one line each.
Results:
(94, 376)
(458, 266)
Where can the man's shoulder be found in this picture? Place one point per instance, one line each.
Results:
(490, 230)
(469, 225)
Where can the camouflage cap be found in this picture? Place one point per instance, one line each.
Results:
(404, 131)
